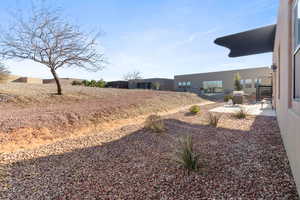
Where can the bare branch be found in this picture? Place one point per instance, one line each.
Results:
(134, 75)
(45, 37)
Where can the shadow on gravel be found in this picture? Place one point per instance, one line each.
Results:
(238, 164)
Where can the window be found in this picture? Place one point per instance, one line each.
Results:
(248, 83)
(296, 32)
(257, 82)
(184, 83)
(179, 84)
(213, 86)
(188, 83)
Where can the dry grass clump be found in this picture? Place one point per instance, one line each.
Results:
(185, 155)
(195, 109)
(213, 119)
(241, 114)
(155, 123)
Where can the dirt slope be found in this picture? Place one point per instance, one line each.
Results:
(31, 115)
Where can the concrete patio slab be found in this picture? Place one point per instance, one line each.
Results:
(255, 109)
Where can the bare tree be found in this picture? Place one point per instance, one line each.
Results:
(134, 75)
(46, 38)
(4, 73)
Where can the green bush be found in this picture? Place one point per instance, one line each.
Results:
(92, 83)
(86, 83)
(155, 123)
(185, 155)
(241, 114)
(227, 98)
(213, 119)
(101, 83)
(195, 109)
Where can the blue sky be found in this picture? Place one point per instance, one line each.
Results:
(160, 38)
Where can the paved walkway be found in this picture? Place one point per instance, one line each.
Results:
(256, 109)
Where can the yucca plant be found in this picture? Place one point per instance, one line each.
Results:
(185, 155)
(213, 119)
(155, 123)
(195, 109)
(241, 114)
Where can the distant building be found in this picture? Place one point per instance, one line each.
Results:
(117, 84)
(18, 79)
(63, 81)
(223, 81)
(152, 84)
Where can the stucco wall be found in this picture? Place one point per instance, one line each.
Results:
(288, 112)
(164, 84)
(227, 77)
(28, 80)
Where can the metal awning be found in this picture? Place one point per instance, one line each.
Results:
(251, 42)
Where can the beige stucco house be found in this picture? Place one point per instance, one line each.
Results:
(18, 79)
(223, 81)
(152, 83)
(283, 39)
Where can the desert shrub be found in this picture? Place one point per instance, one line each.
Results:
(185, 155)
(195, 109)
(156, 86)
(241, 114)
(237, 82)
(101, 83)
(155, 123)
(92, 83)
(213, 119)
(227, 98)
(76, 82)
(85, 82)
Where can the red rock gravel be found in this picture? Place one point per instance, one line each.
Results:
(35, 116)
(241, 159)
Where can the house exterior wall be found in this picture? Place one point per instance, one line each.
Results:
(227, 77)
(9, 78)
(28, 80)
(288, 109)
(164, 84)
(63, 81)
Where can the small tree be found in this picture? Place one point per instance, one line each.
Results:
(156, 86)
(46, 38)
(237, 82)
(101, 83)
(4, 73)
(134, 75)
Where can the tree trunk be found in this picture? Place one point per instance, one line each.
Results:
(59, 90)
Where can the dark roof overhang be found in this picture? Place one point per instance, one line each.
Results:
(251, 42)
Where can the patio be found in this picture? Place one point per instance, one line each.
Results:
(257, 109)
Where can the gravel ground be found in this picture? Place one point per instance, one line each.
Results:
(241, 159)
(34, 116)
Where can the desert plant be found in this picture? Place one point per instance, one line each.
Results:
(76, 82)
(101, 83)
(185, 155)
(227, 98)
(92, 83)
(237, 82)
(213, 119)
(85, 82)
(241, 114)
(155, 123)
(156, 86)
(195, 109)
